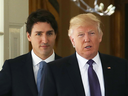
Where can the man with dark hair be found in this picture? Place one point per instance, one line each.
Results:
(21, 76)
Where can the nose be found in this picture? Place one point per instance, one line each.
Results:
(44, 39)
(87, 38)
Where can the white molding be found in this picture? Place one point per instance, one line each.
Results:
(14, 42)
(20, 37)
(6, 29)
(23, 40)
(2, 15)
(11, 24)
(15, 13)
(1, 51)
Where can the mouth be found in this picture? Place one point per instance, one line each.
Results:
(44, 46)
(88, 47)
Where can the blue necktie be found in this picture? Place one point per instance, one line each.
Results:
(93, 80)
(39, 74)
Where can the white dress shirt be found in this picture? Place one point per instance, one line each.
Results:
(36, 60)
(82, 62)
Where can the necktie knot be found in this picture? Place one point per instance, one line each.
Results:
(90, 62)
(42, 63)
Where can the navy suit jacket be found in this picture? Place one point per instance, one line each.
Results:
(17, 77)
(62, 77)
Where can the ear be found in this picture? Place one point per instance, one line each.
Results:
(72, 41)
(28, 36)
(100, 37)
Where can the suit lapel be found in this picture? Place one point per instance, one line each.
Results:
(28, 73)
(74, 73)
(107, 73)
(57, 57)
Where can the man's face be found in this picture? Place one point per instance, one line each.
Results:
(42, 39)
(86, 40)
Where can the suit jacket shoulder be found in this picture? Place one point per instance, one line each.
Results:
(22, 58)
(64, 59)
(112, 59)
(63, 78)
(18, 72)
(57, 56)
(115, 71)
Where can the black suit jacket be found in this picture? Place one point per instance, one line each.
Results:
(62, 77)
(17, 77)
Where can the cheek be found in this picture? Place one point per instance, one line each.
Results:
(36, 41)
(79, 44)
(80, 41)
(96, 43)
(52, 40)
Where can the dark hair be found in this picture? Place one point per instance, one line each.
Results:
(41, 15)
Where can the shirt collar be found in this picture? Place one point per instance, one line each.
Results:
(82, 61)
(36, 60)
(97, 59)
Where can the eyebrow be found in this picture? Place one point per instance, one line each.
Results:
(42, 31)
(80, 32)
(38, 31)
(50, 31)
(91, 30)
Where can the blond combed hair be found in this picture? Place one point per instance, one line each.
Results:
(84, 19)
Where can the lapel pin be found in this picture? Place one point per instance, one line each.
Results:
(109, 67)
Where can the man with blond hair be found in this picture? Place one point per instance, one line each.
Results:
(87, 72)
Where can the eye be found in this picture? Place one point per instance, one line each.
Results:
(39, 34)
(80, 35)
(92, 32)
(50, 33)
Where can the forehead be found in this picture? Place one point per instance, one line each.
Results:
(42, 26)
(86, 28)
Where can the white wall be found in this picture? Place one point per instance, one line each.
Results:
(1, 15)
(15, 13)
(18, 11)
